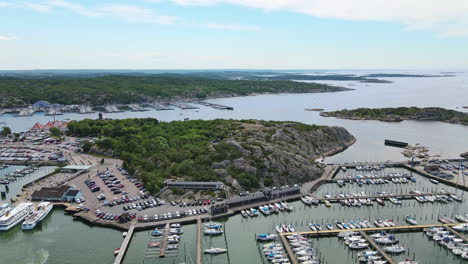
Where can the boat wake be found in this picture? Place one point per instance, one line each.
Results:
(39, 257)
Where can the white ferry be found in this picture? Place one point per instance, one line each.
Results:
(15, 216)
(42, 210)
(4, 208)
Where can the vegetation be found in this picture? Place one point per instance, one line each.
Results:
(55, 132)
(402, 113)
(183, 149)
(5, 131)
(131, 89)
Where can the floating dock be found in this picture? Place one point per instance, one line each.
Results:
(184, 106)
(400, 196)
(287, 247)
(369, 229)
(162, 252)
(216, 106)
(199, 241)
(377, 248)
(161, 107)
(395, 143)
(125, 243)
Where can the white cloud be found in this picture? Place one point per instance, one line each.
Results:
(136, 14)
(77, 8)
(440, 16)
(38, 7)
(4, 4)
(6, 38)
(235, 27)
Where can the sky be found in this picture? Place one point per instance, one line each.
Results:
(233, 34)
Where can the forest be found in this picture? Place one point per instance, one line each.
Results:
(124, 89)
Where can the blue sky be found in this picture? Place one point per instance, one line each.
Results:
(238, 34)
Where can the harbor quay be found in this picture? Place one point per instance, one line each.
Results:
(80, 187)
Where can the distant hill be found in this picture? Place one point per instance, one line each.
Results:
(132, 89)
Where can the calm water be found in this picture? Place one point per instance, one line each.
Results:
(62, 240)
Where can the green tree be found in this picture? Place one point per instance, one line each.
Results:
(5, 131)
(55, 132)
(87, 146)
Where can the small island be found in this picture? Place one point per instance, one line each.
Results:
(399, 114)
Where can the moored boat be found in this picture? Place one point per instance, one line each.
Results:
(42, 210)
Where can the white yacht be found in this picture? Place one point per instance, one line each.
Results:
(15, 216)
(215, 251)
(42, 210)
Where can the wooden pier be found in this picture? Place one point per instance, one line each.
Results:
(125, 243)
(199, 241)
(162, 252)
(377, 248)
(369, 229)
(288, 249)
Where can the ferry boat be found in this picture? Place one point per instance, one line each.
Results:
(15, 216)
(42, 210)
(4, 208)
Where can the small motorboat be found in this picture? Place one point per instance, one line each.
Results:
(329, 227)
(462, 227)
(124, 234)
(266, 237)
(116, 251)
(327, 203)
(312, 227)
(244, 213)
(279, 229)
(411, 220)
(215, 251)
(156, 232)
(156, 244)
(434, 181)
(395, 249)
(172, 247)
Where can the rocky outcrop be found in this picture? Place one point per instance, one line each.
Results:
(279, 153)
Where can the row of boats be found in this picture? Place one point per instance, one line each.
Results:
(448, 240)
(267, 209)
(367, 167)
(13, 176)
(302, 249)
(275, 253)
(27, 213)
(375, 180)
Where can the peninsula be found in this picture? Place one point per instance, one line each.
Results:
(401, 113)
(244, 154)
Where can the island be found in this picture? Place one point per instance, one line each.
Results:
(126, 89)
(398, 114)
(242, 154)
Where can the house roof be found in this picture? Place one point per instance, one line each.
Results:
(72, 192)
(51, 192)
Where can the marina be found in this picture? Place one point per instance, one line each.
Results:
(45, 243)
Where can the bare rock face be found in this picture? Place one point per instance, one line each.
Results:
(279, 153)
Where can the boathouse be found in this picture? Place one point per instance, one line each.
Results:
(51, 194)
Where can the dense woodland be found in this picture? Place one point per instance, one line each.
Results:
(160, 150)
(132, 89)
